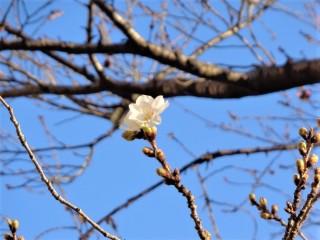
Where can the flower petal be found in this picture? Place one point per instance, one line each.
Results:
(133, 107)
(129, 123)
(144, 99)
(156, 120)
(159, 104)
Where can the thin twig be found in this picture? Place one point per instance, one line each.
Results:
(45, 179)
(205, 158)
(173, 178)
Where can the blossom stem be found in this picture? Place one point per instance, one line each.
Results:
(173, 178)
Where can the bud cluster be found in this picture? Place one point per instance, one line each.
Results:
(309, 135)
(307, 161)
(304, 165)
(262, 206)
(170, 177)
(13, 225)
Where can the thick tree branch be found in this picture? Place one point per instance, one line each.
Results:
(260, 81)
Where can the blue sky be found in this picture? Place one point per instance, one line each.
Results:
(119, 169)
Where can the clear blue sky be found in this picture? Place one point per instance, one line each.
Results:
(120, 170)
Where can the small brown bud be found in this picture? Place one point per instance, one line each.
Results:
(315, 138)
(265, 215)
(302, 146)
(160, 154)
(263, 202)
(176, 172)
(7, 236)
(300, 166)
(289, 208)
(317, 171)
(163, 173)
(176, 175)
(296, 179)
(313, 159)
(252, 198)
(317, 178)
(207, 234)
(148, 151)
(129, 135)
(274, 209)
(303, 132)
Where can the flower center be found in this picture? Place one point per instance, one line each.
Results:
(148, 115)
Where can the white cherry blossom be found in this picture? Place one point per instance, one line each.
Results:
(145, 112)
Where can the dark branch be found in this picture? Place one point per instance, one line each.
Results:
(260, 81)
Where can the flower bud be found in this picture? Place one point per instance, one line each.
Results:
(302, 146)
(207, 234)
(274, 209)
(13, 225)
(263, 202)
(265, 215)
(176, 175)
(289, 207)
(317, 178)
(163, 173)
(296, 179)
(303, 132)
(316, 138)
(252, 198)
(300, 166)
(129, 135)
(20, 238)
(317, 171)
(160, 154)
(148, 151)
(313, 159)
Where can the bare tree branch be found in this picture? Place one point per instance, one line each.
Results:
(45, 179)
